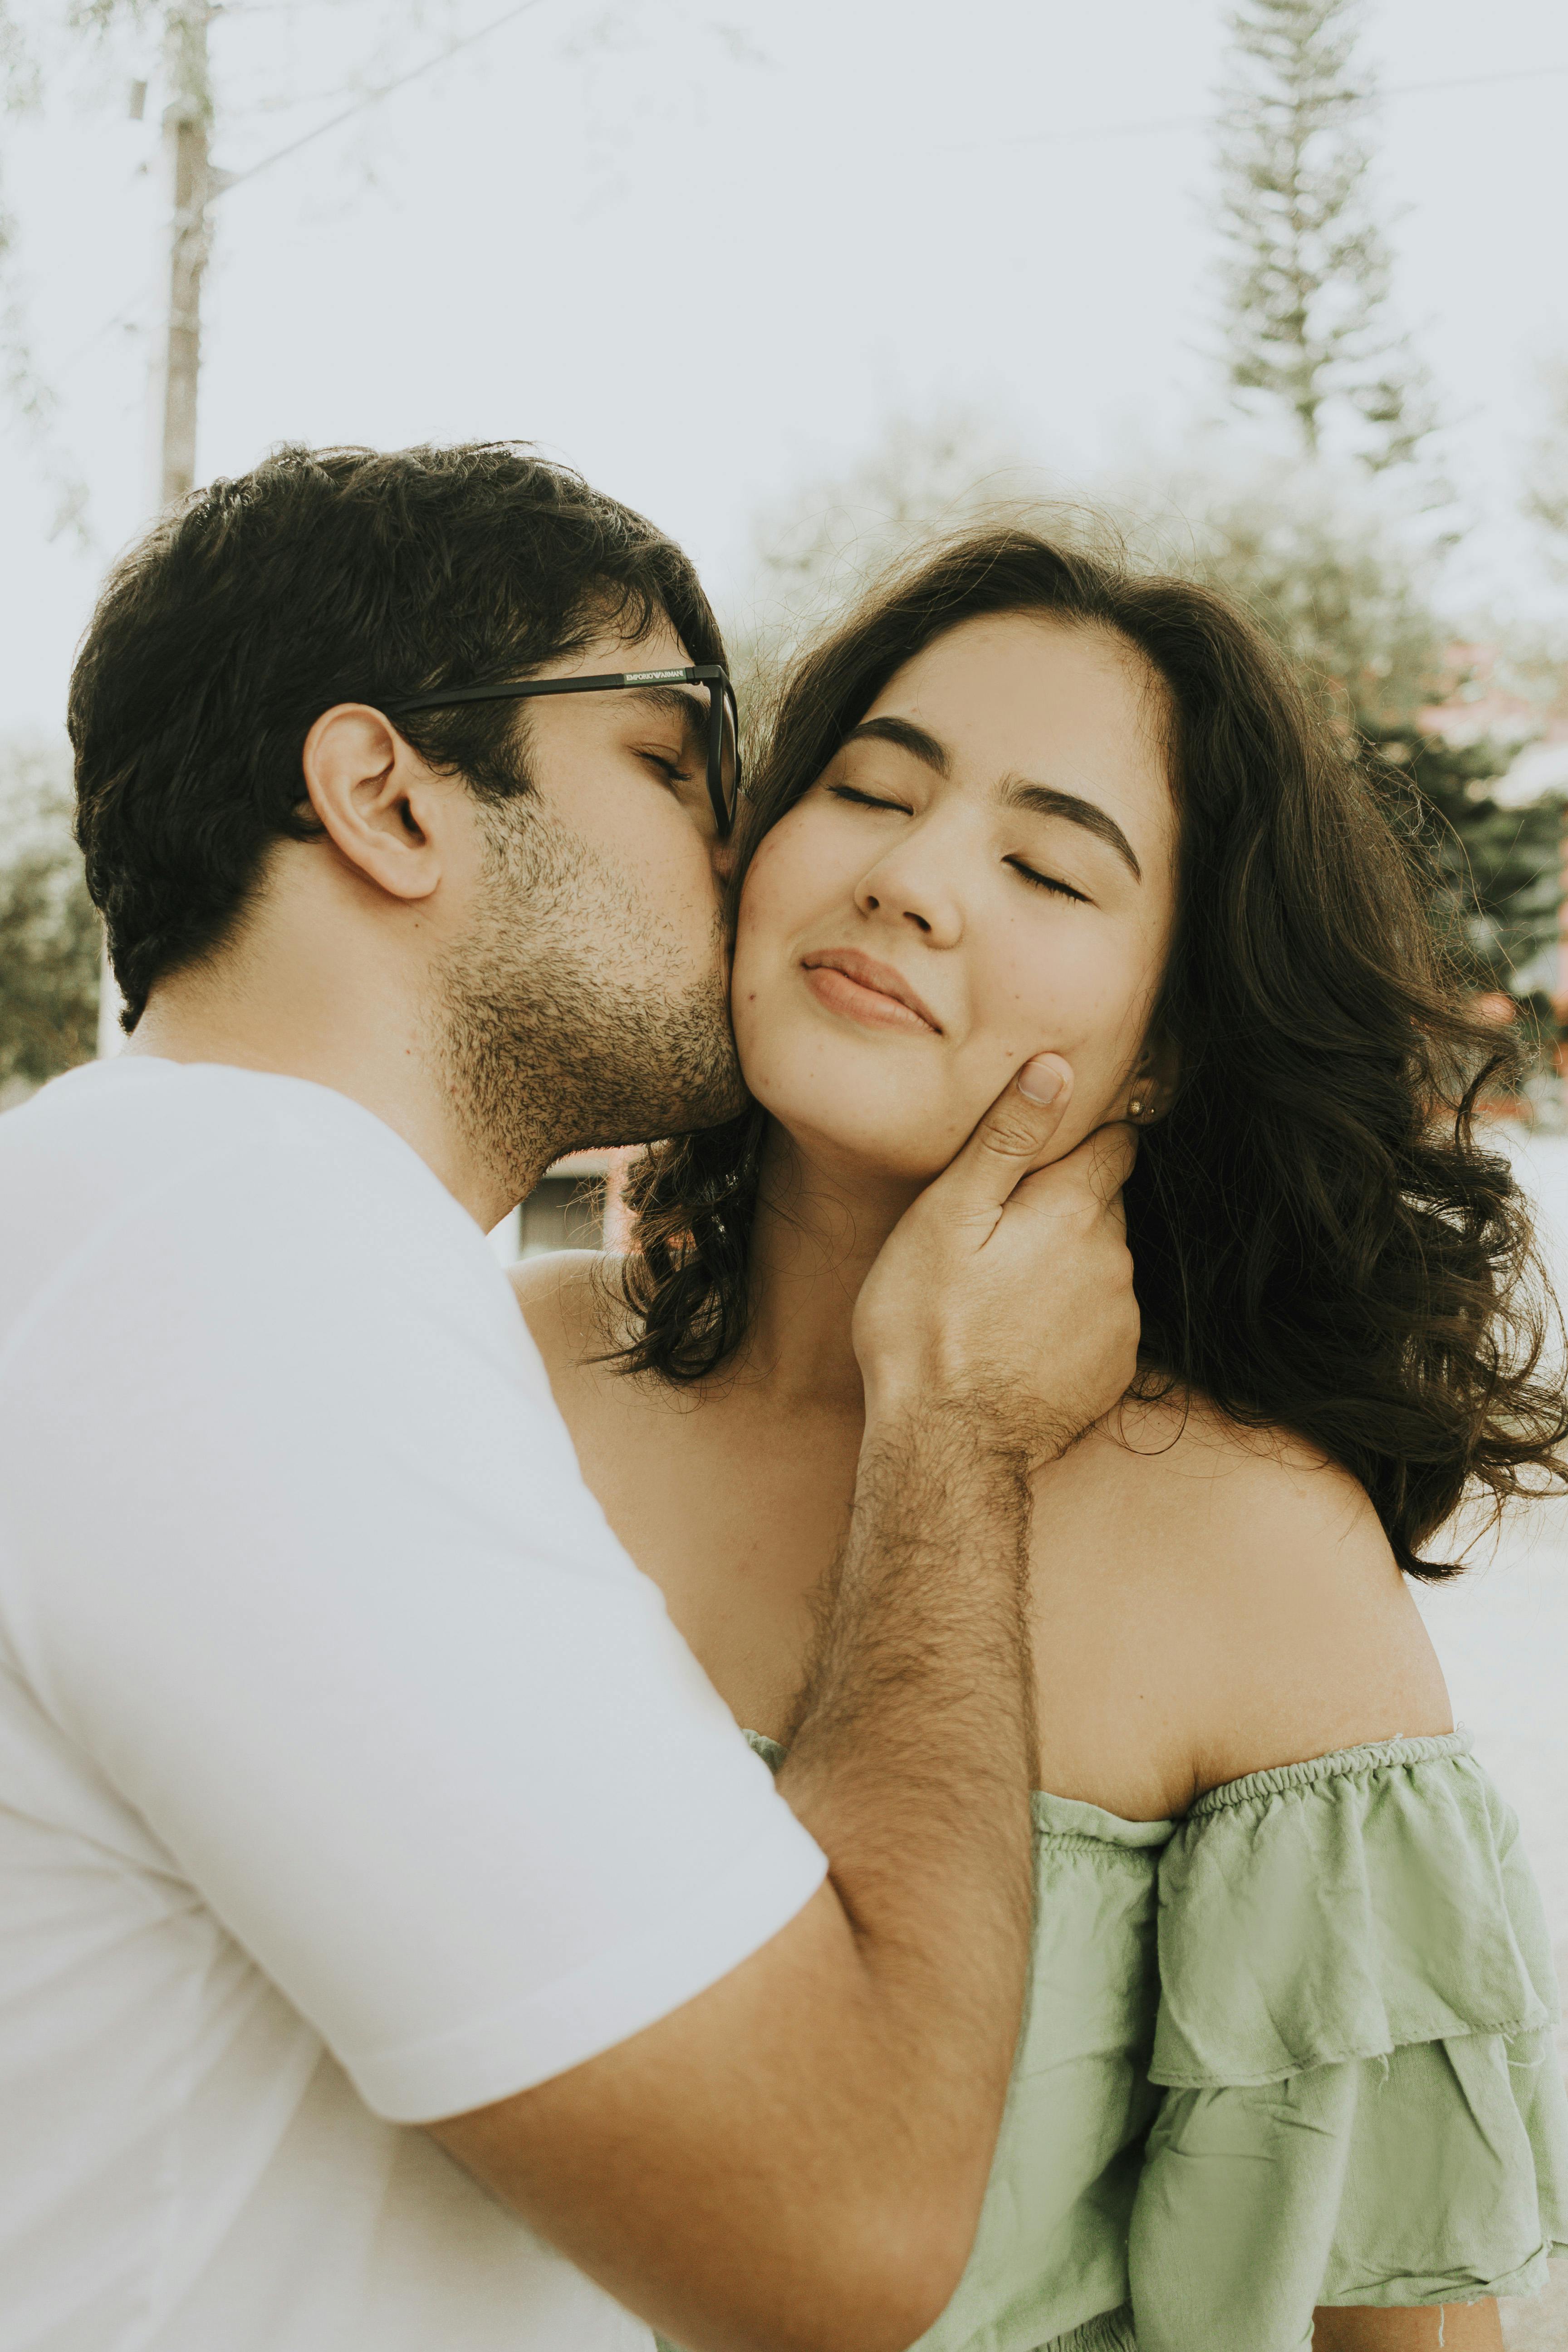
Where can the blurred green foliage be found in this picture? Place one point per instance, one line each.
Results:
(1497, 870)
(1349, 604)
(49, 935)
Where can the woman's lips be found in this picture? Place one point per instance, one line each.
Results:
(846, 982)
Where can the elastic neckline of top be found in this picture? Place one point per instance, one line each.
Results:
(1341, 1764)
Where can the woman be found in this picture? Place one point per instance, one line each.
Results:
(1288, 2050)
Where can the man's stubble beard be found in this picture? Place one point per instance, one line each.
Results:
(562, 1022)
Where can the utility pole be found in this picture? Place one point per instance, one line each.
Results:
(176, 367)
(187, 129)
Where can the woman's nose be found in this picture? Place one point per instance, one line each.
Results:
(907, 889)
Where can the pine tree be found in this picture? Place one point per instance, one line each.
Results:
(1307, 274)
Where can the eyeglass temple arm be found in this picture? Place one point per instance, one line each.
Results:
(693, 673)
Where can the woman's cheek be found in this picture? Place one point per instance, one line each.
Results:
(783, 870)
(1073, 999)
(788, 890)
(765, 924)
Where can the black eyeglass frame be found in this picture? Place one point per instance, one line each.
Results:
(720, 694)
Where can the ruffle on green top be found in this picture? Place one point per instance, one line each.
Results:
(1363, 2103)
(1296, 2049)
(1340, 1908)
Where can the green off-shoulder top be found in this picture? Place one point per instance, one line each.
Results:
(1297, 2048)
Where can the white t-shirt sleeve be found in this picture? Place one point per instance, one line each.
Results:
(297, 1549)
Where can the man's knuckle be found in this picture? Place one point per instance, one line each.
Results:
(1008, 1138)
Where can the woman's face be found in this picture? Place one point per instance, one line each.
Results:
(984, 872)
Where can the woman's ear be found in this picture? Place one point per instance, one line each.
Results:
(375, 798)
(1151, 1089)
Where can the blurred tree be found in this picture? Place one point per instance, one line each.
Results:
(49, 935)
(1307, 274)
(1349, 595)
(813, 551)
(380, 47)
(1546, 486)
(23, 390)
(1495, 868)
(1328, 564)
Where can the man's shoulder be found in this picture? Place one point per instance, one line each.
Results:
(118, 1114)
(129, 1165)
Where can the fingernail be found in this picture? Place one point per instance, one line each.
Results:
(1042, 1080)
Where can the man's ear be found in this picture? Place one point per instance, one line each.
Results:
(380, 805)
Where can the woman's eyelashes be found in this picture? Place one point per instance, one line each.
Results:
(868, 800)
(1030, 874)
(1048, 882)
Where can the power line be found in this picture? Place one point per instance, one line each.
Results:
(1205, 121)
(223, 181)
(228, 180)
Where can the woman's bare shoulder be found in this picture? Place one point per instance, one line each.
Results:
(1242, 1581)
(1214, 1484)
(570, 1301)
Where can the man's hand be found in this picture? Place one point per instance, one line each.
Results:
(1003, 1297)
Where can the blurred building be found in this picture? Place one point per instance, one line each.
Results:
(578, 1204)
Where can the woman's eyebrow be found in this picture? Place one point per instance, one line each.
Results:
(1049, 800)
(906, 736)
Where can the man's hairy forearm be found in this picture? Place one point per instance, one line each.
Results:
(912, 1759)
(794, 2161)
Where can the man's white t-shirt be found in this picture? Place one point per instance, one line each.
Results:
(351, 1775)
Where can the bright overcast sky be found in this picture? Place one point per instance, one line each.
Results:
(703, 248)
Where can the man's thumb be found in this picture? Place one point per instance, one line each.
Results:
(1016, 1128)
(1046, 1081)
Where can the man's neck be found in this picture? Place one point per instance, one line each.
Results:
(817, 1228)
(350, 1038)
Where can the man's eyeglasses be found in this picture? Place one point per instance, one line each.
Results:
(722, 718)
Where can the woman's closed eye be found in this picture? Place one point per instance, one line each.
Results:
(868, 800)
(1048, 882)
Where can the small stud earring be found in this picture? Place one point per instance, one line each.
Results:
(1135, 1108)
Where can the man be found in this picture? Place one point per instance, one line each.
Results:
(354, 1780)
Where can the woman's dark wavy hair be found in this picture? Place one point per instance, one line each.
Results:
(1321, 1244)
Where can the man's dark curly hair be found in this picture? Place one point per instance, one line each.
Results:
(324, 576)
(1320, 1243)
